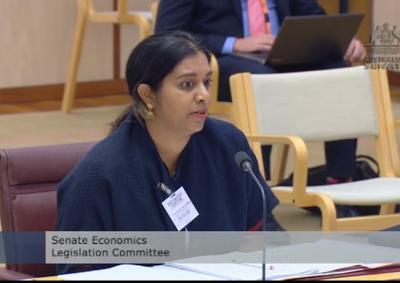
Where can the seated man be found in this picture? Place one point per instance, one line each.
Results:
(232, 26)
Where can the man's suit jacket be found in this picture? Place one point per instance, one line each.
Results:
(212, 21)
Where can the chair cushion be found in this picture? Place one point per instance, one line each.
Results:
(367, 192)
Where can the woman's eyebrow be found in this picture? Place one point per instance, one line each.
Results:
(192, 74)
(187, 75)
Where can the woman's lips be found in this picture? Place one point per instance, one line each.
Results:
(200, 114)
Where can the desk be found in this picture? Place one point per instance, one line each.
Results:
(381, 272)
(382, 276)
(283, 262)
(48, 278)
(135, 272)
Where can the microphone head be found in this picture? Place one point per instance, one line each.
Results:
(243, 160)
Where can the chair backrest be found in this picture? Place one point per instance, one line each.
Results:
(28, 184)
(122, 15)
(121, 5)
(317, 105)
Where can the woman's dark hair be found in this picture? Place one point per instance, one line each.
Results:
(151, 61)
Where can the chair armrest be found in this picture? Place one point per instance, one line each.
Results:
(8, 274)
(300, 158)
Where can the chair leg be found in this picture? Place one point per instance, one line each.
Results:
(70, 85)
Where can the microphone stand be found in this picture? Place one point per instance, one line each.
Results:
(247, 168)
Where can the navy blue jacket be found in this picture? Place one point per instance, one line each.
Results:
(212, 21)
(114, 188)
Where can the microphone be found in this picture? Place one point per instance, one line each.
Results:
(243, 161)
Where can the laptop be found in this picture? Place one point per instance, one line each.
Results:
(310, 40)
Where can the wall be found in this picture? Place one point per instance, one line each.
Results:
(388, 11)
(36, 41)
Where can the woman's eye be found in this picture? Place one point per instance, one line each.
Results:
(187, 84)
(207, 83)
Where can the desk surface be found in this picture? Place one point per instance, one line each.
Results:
(47, 278)
(382, 276)
(390, 274)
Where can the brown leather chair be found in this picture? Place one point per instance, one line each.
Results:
(28, 184)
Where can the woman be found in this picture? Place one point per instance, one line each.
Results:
(164, 142)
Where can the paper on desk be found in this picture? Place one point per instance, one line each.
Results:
(295, 270)
(339, 270)
(234, 271)
(137, 272)
(204, 271)
(227, 271)
(327, 250)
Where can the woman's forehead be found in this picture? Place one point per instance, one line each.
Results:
(196, 64)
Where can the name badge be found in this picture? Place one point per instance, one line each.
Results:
(180, 208)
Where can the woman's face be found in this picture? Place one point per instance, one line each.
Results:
(181, 104)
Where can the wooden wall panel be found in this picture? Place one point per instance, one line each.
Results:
(330, 6)
(36, 41)
(365, 7)
(354, 6)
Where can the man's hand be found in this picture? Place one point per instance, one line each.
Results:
(256, 43)
(355, 52)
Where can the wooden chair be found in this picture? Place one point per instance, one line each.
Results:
(226, 109)
(87, 12)
(292, 108)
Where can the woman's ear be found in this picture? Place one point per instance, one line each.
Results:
(146, 94)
